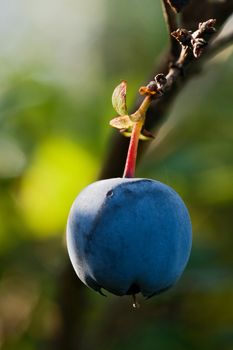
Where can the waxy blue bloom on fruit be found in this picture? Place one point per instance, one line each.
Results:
(129, 236)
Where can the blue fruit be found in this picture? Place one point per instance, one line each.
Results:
(129, 235)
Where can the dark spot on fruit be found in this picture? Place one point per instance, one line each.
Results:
(109, 193)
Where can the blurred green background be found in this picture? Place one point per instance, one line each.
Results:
(59, 63)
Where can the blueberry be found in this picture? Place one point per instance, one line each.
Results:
(129, 235)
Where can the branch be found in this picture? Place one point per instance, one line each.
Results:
(171, 22)
(190, 16)
(193, 45)
(73, 303)
(177, 5)
(197, 11)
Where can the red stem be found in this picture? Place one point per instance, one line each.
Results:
(132, 151)
(130, 164)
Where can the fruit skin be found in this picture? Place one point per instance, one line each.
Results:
(129, 235)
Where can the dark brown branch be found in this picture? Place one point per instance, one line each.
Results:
(72, 306)
(178, 5)
(171, 22)
(176, 78)
(198, 11)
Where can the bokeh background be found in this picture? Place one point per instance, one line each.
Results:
(59, 63)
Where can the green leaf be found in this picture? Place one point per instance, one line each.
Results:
(119, 98)
(122, 122)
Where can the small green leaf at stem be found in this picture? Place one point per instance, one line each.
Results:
(119, 98)
(122, 122)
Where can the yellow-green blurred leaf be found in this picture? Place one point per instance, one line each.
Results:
(58, 172)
